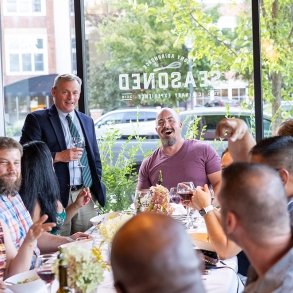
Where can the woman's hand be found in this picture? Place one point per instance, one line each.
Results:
(83, 197)
(80, 236)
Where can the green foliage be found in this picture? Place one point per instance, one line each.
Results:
(137, 32)
(130, 40)
(119, 174)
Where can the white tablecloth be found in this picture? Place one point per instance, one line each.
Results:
(224, 279)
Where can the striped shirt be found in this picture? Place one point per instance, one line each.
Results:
(16, 216)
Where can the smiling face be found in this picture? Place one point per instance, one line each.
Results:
(168, 127)
(66, 95)
(10, 170)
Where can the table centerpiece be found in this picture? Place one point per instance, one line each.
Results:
(85, 267)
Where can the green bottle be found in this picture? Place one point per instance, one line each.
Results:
(62, 270)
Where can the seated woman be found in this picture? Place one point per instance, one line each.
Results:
(40, 189)
(12, 261)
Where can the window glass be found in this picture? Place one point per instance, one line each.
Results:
(14, 63)
(26, 62)
(11, 6)
(24, 7)
(113, 118)
(36, 46)
(36, 6)
(146, 54)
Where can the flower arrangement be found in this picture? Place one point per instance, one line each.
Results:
(85, 268)
(109, 227)
(159, 201)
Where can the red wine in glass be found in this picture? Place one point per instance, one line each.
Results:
(184, 189)
(46, 275)
(185, 197)
(43, 267)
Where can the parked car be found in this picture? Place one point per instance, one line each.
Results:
(207, 118)
(130, 121)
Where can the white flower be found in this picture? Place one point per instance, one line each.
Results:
(85, 267)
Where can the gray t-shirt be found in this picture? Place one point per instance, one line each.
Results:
(278, 279)
(193, 162)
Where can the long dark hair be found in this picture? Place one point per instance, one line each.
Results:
(39, 181)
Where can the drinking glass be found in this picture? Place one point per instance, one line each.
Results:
(44, 268)
(141, 200)
(184, 189)
(174, 196)
(78, 142)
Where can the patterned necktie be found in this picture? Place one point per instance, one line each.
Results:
(85, 171)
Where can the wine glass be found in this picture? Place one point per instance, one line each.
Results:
(141, 200)
(44, 269)
(78, 142)
(184, 189)
(174, 196)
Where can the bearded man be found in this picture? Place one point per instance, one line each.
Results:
(12, 210)
(179, 160)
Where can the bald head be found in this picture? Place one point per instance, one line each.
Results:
(153, 253)
(255, 194)
(168, 127)
(170, 112)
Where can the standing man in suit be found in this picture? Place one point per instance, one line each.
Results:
(54, 127)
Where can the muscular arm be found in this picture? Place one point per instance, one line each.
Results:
(215, 179)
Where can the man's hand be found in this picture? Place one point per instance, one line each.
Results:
(68, 155)
(231, 128)
(201, 197)
(83, 197)
(38, 228)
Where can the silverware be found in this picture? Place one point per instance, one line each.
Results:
(9, 283)
(96, 207)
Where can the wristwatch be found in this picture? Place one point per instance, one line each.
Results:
(206, 210)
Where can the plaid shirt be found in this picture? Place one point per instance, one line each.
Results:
(16, 216)
(2, 253)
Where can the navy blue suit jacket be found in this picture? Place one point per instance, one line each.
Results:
(45, 125)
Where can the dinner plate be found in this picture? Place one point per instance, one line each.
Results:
(85, 243)
(97, 219)
(200, 240)
(100, 218)
(17, 283)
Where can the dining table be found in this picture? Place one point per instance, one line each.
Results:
(222, 278)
